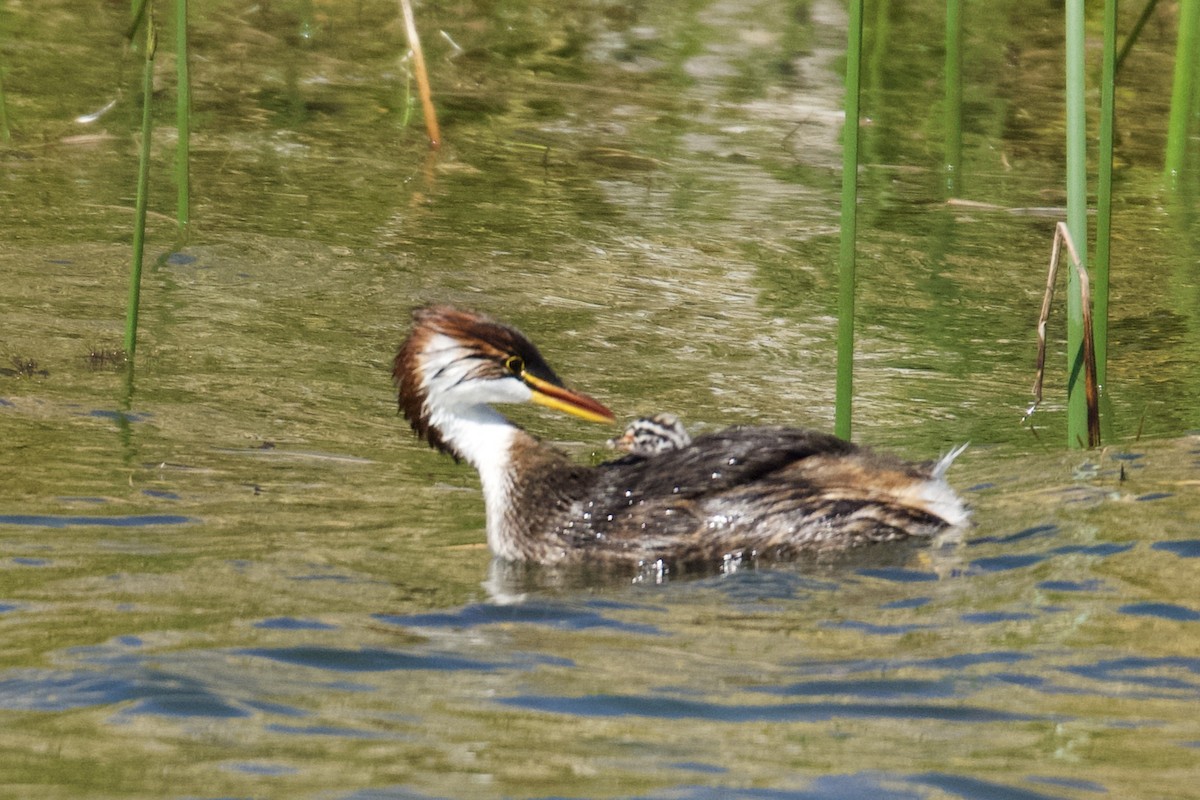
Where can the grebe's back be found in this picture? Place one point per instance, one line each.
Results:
(768, 492)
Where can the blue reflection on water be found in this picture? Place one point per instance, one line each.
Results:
(965, 660)
(908, 602)
(856, 786)
(389, 793)
(1102, 549)
(377, 659)
(367, 659)
(976, 789)
(192, 702)
(1184, 548)
(326, 730)
(1144, 671)
(151, 693)
(992, 617)
(1090, 585)
(293, 624)
(899, 575)
(562, 616)
(618, 705)
(1027, 533)
(251, 768)
(878, 688)
(1169, 611)
(1069, 783)
(25, 561)
(55, 690)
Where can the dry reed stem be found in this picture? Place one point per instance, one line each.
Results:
(414, 43)
(1090, 387)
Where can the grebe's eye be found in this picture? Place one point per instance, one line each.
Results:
(514, 364)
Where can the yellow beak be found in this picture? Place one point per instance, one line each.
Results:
(563, 399)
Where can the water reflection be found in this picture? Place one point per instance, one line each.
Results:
(821, 657)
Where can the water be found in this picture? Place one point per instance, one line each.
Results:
(238, 575)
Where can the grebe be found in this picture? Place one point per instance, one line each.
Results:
(745, 492)
(649, 436)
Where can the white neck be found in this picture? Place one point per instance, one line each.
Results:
(484, 438)
(458, 407)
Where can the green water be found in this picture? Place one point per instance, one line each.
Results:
(237, 574)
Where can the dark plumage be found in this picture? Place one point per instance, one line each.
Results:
(764, 492)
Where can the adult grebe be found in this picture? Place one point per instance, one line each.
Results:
(745, 492)
(649, 436)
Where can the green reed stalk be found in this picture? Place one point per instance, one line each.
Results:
(953, 110)
(1181, 92)
(143, 185)
(1076, 219)
(1135, 32)
(183, 112)
(845, 329)
(138, 10)
(1108, 80)
(5, 133)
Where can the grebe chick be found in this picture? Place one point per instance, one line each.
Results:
(771, 493)
(649, 436)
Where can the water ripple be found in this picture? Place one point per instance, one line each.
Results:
(1026, 533)
(152, 693)
(1101, 549)
(873, 628)
(826, 787)
(1184, 548)
(964, 660)
(616, 705)
(1090, 585)
(899, 575)
(1005, 563)
(875, 688)
(45, 690)
(366, 659)
(992, 617)
(976, 789)
(294, 624)
(1142, 671)
(1169, 611)
(189, 702)
(67, 520)
(555, 616)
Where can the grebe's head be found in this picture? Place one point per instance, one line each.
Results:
(455, 361)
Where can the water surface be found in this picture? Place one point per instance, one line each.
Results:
(235, 573)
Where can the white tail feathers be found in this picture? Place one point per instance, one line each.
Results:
(937, 496)
(939, 469)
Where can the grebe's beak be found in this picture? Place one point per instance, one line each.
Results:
(561, 398)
